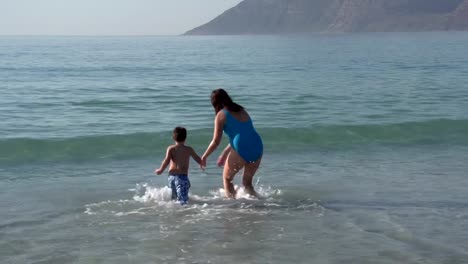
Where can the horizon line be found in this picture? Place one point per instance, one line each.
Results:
(91, 35)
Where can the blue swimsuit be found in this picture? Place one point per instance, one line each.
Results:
(243, 138)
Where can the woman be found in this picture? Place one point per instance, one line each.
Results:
(245, 149)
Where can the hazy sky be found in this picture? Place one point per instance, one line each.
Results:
(107, 17)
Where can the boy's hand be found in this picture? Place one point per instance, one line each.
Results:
(158, 171)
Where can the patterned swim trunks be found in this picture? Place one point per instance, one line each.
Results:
(180, 185)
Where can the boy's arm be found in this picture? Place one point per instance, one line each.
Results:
(165, 162)
(195, 156)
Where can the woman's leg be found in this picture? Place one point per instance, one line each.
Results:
(234, 163)
(247, 178)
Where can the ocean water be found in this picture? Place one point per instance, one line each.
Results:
(366, 149)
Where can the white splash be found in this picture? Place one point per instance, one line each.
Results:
(148, 199)
(145, 193)
(162, 194)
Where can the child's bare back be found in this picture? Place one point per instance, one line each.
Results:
(180, 155)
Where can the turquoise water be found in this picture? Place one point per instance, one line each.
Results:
(366, 142)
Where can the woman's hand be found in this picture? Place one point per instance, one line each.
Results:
(203, 162)
(223, 157)
(221, 160)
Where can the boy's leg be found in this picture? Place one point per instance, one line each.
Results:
(172, 185)
(182, 186)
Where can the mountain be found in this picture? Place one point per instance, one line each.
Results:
(306, 16)
(459, 19)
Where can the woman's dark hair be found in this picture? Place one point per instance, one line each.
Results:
(221, 99)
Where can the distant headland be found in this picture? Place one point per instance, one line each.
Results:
(309, 16)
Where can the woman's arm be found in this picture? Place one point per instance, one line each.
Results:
(222, 158)
(217, 136)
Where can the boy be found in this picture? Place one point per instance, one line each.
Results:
(178, 155)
